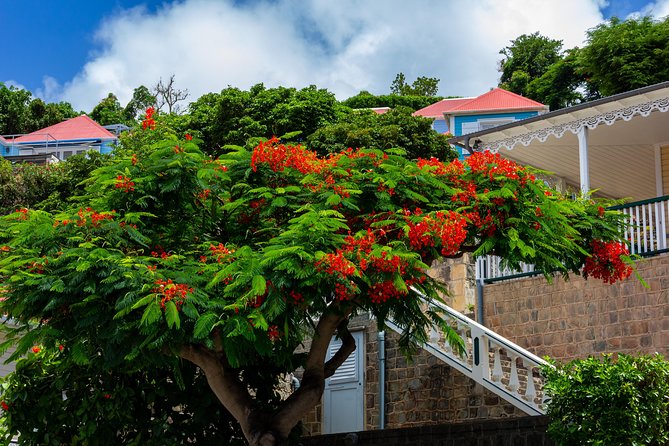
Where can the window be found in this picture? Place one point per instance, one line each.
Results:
(485, 124)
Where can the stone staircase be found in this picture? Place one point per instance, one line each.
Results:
(491, 360)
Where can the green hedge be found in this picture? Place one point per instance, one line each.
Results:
(609, 402)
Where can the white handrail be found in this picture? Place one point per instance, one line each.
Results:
(499, 365)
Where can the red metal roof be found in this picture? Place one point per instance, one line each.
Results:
(495, 99)
(81, 127)
(437, 109)
(380, 110)
(498, 99)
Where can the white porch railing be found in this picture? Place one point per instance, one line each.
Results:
(496, 363)
(647, 235)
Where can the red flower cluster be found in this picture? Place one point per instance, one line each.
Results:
(170, 291)
(448, 230)
(188, 137)
(204, 194)
(273, 333)
(296, 298)
(606, 263)
(125, 183)
(493, 165)
(96, 217)
(159, 253)
(37, 267)
(279, 156)
(133, 160)
(220, 252)
(336, 265)
(23, 214)
(381, 292)
(148, 122)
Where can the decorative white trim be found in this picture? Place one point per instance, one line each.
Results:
(591, 122)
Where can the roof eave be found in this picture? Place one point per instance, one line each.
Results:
(563, 111)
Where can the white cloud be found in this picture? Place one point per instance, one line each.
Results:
(658, 9)
(345, 46)
(12, 83)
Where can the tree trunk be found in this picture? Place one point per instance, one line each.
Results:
(271, 429)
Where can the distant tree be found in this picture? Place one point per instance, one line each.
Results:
(47, 114)
(422, 86)
(14, 110)
(365, 99)
(21, 113)
(527, 58)
(142, 98)
(45, 187)
(233, 116)
(624, 55)
(561, 85)
(108, 111)
(167, 94)
(397, 128)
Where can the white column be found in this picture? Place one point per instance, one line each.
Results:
(583, 159)
(659, 181)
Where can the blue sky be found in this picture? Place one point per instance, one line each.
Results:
(80, 50)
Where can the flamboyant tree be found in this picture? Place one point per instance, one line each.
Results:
(231, 263)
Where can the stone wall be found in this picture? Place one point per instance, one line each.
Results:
(577, 318)
(526, 431)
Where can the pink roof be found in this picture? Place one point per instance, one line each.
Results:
(498, 99)
(437, 109)
(3, 140)
(81, 127)
(380, 110)
(494, 100)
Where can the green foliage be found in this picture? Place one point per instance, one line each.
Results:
(528, 57)
(45, 187)
(397, 128)
(142, 99)
(52, 401)
(624, 55)
(20, 113)
(109, 111)
(619, 56)
(607, 402)
(234, 116)
(422, 86)
(364, 99)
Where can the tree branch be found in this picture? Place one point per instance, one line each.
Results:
(347, 347)
(313, 380)
(227, 387)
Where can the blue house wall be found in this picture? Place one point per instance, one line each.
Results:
(459, 120)
(440, 125)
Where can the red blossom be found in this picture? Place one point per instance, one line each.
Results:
(188, 137)
(273, 333)
(4, 405)
(36, 349)
(606, 262)
(148, 122)
(125, 183)
(170, 291)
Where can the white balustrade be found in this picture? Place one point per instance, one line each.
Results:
(496, 363)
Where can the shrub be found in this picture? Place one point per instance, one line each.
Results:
(609, 402)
